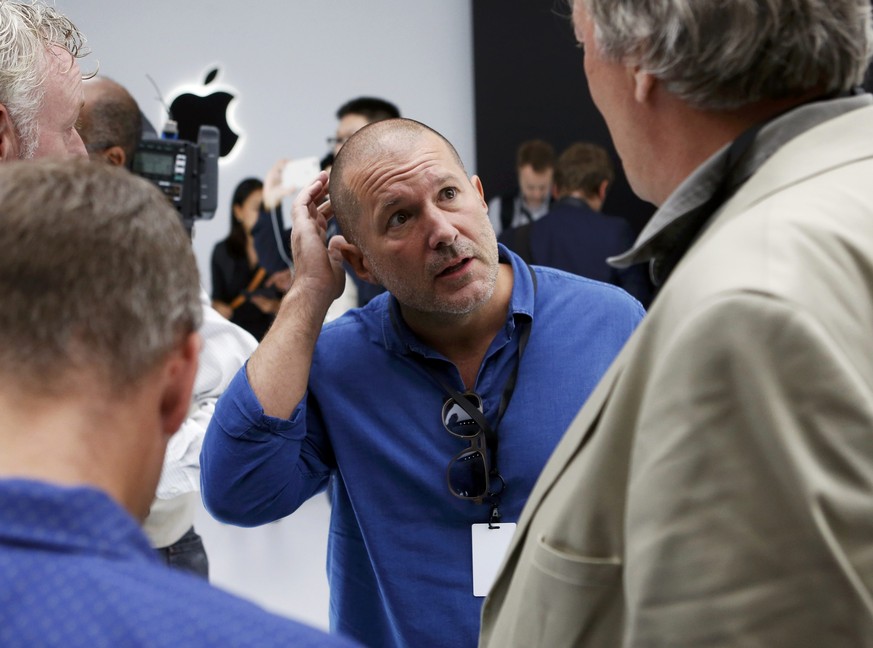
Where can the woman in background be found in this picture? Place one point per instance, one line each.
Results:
(241, 290)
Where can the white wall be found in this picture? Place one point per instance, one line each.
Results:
(292, 63)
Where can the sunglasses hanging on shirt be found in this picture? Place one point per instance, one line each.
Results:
(469, 473)
(472, 473)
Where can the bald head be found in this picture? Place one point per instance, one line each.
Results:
(373, 144)
(110, 123)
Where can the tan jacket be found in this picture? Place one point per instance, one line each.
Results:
(717, 488)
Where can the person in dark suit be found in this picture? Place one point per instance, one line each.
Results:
(575, 235)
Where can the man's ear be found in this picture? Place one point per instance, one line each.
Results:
(644, 83)
(115, 155)
(601, 190)
(9, 145)
(354, 257)
(476, 181)
(180, 369)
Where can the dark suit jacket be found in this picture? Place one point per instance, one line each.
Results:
(575, 238)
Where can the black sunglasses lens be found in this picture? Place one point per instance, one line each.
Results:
(467, 475)
(458, 421)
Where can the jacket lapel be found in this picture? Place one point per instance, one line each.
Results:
(793, 163)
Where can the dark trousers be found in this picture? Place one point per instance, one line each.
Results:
(187, 553)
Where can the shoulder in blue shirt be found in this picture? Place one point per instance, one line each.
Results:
(76, 570)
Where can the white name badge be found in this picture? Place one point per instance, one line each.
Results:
(489, 549)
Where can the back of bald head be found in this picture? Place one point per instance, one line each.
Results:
(371, 145)
(110, 117)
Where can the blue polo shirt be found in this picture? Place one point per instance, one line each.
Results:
(399, 549)
(76, 570)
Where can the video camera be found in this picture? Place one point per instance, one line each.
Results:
(186, 172)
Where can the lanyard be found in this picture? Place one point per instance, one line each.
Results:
(491, 438)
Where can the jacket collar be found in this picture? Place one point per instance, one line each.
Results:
(686, 213)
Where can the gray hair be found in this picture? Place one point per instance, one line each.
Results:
(97, 275)
(27, 33)
(720, 55)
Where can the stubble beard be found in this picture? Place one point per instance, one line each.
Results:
(412, 296)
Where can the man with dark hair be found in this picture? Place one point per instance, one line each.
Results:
(110, 125)
(534, 165)
(98, 353)
(357, 113)
(430, 410)
(717, 487)
(110, 122)
(575, 235)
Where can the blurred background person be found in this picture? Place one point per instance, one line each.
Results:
(356, 113)
(110, 122)
(534, 164)
(241, 290)
(575, 235)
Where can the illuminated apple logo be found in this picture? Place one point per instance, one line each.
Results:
(192, 110)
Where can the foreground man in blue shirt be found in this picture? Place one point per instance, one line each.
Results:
(433, 408)
(98, 355)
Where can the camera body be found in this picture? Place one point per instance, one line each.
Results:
(187, 173)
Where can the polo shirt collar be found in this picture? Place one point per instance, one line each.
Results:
(399, 338)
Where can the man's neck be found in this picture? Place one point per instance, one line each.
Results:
(464, 339)
(74, 440)
(688, 136)
(593, 202)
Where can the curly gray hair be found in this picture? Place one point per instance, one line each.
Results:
(27, 32)
(721, 55)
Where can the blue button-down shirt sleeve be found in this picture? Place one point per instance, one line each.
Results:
(256, 468)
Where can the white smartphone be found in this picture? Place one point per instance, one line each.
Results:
(300, 172)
